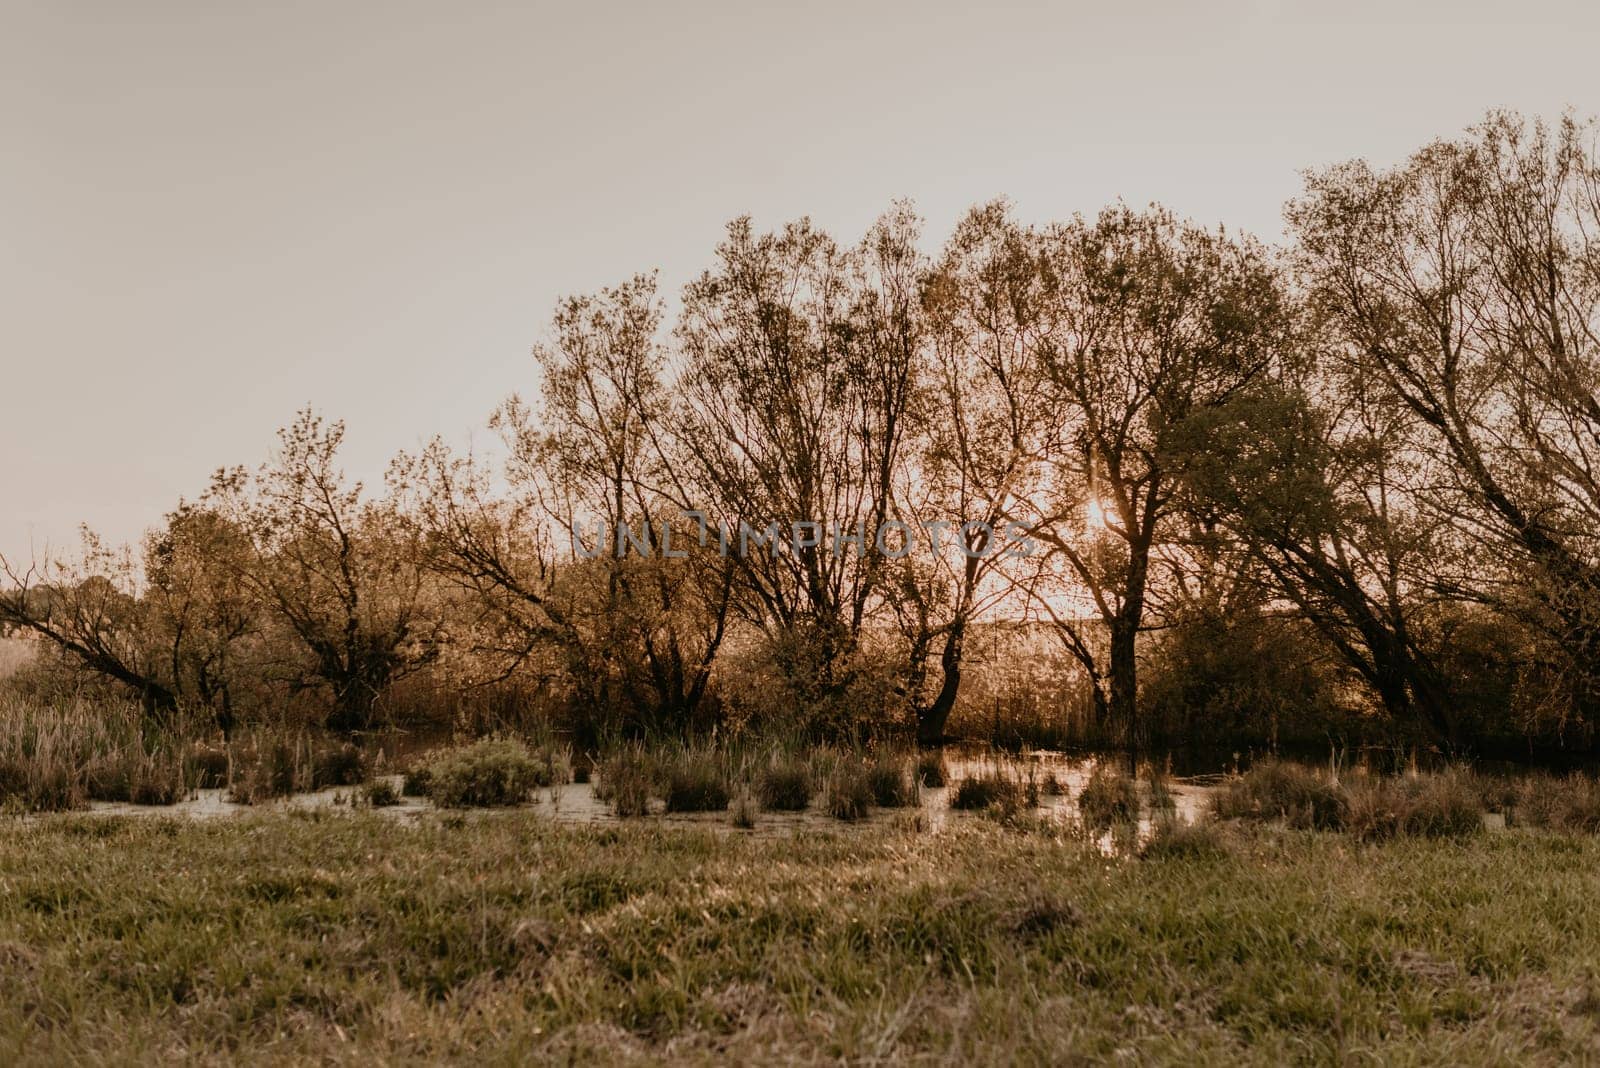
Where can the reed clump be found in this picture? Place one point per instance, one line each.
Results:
(1109, 797)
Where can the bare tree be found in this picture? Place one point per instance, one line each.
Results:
(1145, 324)
(1469, 280)
(799, 361)
(89, 608)
(344, 576)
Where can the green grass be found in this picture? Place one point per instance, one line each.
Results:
(504, 938)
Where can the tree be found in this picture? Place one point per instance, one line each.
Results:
(798, 366)
(343, 576)
(1146, 325)
(201, 614)
(982, 417)
(577, 560)
(89, 608)
(1466, 279)
(1318, 485)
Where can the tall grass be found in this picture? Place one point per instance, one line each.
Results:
(624, 777)
(694, 779)
(1298, 796)
(783, 783)
(62, 754)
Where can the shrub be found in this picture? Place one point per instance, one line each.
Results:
(339, 765)
(694, 781)
(416, 782)
(380, 793)
(784, 785)
(491, 772)
(892, 783)
(1109, 797)
(1272, 790)
(991, 790)
(848, 793)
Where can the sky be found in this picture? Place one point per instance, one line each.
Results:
(214, 214)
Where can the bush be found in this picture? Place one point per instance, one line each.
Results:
(848, 794)
(380, 793)
(338, 765)
(487, 773)
(992, 790)
(694, 781)
(891, 782)
(1273, 791)
(1109, 797)
(416, 782)
(784, 785)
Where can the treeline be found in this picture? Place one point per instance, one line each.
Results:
(1248, 494)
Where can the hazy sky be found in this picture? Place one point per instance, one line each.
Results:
(214, 213)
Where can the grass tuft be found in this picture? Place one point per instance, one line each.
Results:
(1300, 797)
(848, 793)
(1108, 798)
(891, 779)
(694, 780)
(989, 790)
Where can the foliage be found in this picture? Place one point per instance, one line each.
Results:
(488, 773)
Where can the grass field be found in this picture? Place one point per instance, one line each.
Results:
(505, 938)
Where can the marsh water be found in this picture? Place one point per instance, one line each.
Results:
(577, 803)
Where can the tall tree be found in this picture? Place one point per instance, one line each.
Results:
(1149, 324)
(799, 360)
(1467, 279)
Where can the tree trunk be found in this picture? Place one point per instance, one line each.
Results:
(1125, 683)
(932, 719)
